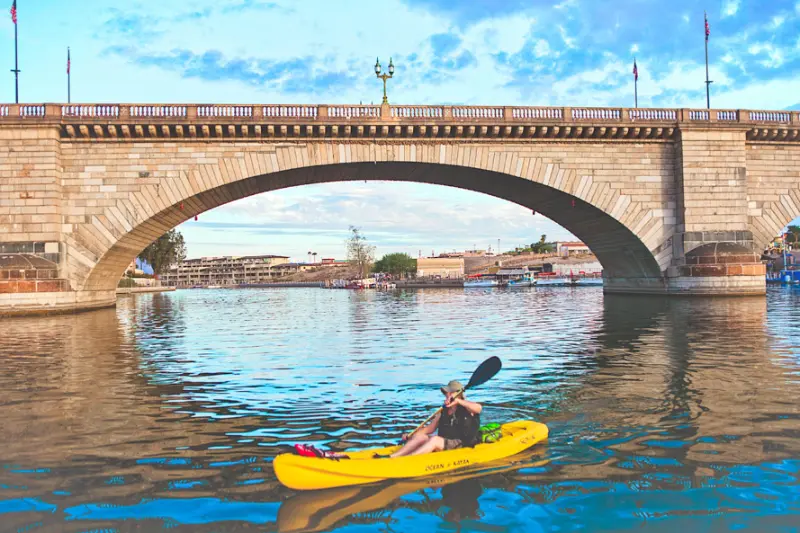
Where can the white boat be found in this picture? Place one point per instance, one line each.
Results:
(554, 281)
(480, 282)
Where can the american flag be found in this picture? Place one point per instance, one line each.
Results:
(708, 30)
(14, 12)
(635, 71)
(68, 61)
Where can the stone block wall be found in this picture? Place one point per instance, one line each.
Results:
(773, 188)
(30, 184)
(714, 176)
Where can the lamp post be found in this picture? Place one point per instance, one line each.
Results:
(384, 77)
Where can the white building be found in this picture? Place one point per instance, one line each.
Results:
(567, 248)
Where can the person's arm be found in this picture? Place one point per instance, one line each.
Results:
(472, 407)
(427, 430)
(430, 428)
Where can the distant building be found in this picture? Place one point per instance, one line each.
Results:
(474, 253)
(228, 270)
(445, 267)
(565, 249)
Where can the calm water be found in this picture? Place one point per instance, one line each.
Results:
(166, 412)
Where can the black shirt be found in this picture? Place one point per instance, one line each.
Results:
(461, 425)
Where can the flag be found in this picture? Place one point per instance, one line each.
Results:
(708, 30)
(68, 61)
(14, 12)
(635, 71)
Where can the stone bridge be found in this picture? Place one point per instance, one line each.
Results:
(672, 201)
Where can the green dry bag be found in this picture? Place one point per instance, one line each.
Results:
(490, 433)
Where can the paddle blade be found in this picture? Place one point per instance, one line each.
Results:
(485, 372)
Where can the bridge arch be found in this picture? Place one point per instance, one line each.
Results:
(630, 236)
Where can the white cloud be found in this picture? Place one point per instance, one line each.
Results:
(501, 34)
(685, 18)
(762, 94)
(775, 56)
(569, 41)
(777, 21)
(733, 60)
(634, 48)
(541, 48)
(730, 8)
(566, 4)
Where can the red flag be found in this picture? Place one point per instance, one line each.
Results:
(708, 30)
(635, 71)
(14, 12)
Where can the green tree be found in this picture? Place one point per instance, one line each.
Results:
(165, 251)
(541, 246)
(396, 264)
(793, 237)
(359, 252)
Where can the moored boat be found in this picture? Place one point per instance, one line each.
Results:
(479, 282)
(312, 473)
(527, 280)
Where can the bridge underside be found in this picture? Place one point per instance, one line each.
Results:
(628, 265)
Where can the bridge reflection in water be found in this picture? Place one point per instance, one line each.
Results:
(169, 409)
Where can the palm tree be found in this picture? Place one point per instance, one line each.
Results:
(315, 257)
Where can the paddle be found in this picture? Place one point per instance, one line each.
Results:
(485, 371)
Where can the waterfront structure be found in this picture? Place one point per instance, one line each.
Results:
(227, 270)
(565, 249)
(652, 192)
(445, 267)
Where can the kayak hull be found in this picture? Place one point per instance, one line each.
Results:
(312, 473)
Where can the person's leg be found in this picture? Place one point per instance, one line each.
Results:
(434, 444)
(417, 440)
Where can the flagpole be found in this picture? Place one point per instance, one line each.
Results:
(635, 86)
(16, 63)
(69, 74)
(708, 83)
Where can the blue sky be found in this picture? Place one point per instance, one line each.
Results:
(508, 52)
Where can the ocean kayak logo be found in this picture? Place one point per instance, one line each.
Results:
(442, 466)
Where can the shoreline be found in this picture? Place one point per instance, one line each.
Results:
(141, 290)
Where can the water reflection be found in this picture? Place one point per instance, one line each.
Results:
(167, 411)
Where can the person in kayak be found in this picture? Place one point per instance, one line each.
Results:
(458, 426)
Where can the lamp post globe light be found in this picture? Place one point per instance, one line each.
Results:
(384, 77)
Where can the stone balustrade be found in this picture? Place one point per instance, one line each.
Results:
(84, 121)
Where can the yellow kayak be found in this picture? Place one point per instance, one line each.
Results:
(311, 512)
(312, 473)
